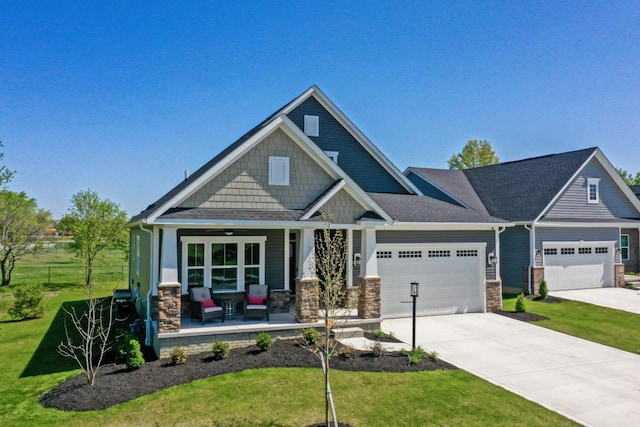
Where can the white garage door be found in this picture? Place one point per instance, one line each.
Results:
(578, 265)
(451, 278)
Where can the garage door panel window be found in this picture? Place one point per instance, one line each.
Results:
(584, 251)
(567, 251)
(466, 252)
(604, 250)
(410, 254)
(550, 251)
(383, 254)
(439, 254)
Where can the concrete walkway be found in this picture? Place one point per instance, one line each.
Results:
(587, 382)
(618, 298)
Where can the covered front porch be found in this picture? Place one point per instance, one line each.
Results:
(194, 337)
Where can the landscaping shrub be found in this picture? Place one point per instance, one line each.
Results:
(264, 341)
(220, 350)
(28, 302)
(433, 356)
(178, 356)
(347, 352)
(379, 333)
(134, 357)
(311, 336)
(520, 305)
(378, 349)
(416, 355)
(122, 345)
(543, 291)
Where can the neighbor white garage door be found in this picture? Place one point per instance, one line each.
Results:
(578, 265)
(451, 278)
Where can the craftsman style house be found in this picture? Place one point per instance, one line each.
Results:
(250, 214)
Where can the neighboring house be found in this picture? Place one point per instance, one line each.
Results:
(250, 215)
(576, 220)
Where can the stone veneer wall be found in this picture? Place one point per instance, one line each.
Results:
(494, 295)
(169, 305)
(619, 276)
(307, 300)
(351, 296)
(369, 297)
(280, 300)
(537, 276)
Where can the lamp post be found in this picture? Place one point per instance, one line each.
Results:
(414, 295)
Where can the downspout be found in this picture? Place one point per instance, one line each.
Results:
(147, 322)
(532, 245)
(499, 231)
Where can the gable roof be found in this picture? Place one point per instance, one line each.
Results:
(521, 190)
(453, 183)
(407, 208)
(242, 145)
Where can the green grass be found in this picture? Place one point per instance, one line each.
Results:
(58, 266)
(30, 365)
(603, 325)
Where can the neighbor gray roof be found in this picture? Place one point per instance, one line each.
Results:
(521, 190)
(636, 190)
(455, 183)
(411, 208)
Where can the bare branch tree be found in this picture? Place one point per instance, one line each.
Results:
(331, 270)
(89, 338)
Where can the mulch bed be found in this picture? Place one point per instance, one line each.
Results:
(525, 317)
(116, 384)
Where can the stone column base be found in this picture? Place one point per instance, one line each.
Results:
(494, 295)
(307, 300)
(351, 296)
(169, 303)
(369, 297)
(537, 276)
(619, 275)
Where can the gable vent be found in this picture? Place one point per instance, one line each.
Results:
(312, 125)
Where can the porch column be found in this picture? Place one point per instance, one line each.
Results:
(169, 256)
(169, 289)
(369, 282)
(307, 286)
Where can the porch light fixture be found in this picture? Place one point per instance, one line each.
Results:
(228, 232)
(356, 259)
(492, 258)
(414, 289)
(538, 252)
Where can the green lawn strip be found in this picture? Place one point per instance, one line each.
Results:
(614, 328)
(294, 397)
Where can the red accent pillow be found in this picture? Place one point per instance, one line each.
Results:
(256, 300)
(208, 303)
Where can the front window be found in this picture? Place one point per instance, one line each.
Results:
(223, 263)
(624, 246)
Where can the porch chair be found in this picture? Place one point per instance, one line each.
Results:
(257, 300)
(202, 305)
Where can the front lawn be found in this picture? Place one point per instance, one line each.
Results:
(614, 328)
(29, 366)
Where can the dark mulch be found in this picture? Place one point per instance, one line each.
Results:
(525, 317)
(116, 384)
(551, 300)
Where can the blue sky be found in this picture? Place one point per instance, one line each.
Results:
(122, 97)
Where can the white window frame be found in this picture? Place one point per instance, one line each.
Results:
(333, 155)
(311, 125)
(595, 182)
(278, 170)
(623, 247)
(208, 241)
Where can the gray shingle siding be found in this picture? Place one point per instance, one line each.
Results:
(573, 202)
(514, 255)
(353, 158)
(414, 236)
(274, 252)
(429, 190)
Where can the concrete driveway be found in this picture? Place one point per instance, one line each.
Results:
(618, 298)
(587, 382)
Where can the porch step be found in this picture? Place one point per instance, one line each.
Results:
(343, 333)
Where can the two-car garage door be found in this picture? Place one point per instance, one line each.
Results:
(578, 265)
(451, 278)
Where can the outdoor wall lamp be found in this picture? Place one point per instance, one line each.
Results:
(356, 259)
(492, 258)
